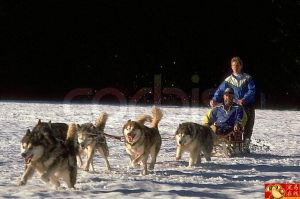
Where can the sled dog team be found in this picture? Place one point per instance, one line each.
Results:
(55, 149)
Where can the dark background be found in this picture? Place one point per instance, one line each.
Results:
(52, 47)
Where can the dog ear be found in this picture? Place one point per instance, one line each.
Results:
(92, 127)
(190, 129)
(49, 124)
(180, 126)
(78, 126)
(177, 130)
(27, 132)
(39, 122)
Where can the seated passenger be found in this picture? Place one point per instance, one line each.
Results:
(226, 117)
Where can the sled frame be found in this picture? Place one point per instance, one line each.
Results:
(228, 145)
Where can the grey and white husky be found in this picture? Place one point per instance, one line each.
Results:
(50, 149)
(195, 139)
(91, 138)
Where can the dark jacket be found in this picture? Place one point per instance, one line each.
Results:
(243, 86)
(226, 120)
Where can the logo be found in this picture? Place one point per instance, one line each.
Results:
(282, 191)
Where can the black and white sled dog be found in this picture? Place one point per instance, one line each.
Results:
(91, 138)
(142, 141)
(50, 149)
(195, 139)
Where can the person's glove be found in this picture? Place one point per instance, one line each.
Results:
(236, 128)
(212, 103)
(241, 102)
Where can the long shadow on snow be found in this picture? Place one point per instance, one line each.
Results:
(238, 172)
(239, 167)
(189, 193)
(233, 176)
(269, 156)
(247, 167)
(211, 194)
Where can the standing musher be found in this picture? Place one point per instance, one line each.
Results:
(244, 95)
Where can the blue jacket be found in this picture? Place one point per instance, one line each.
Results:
(243, 86)
(220, 118)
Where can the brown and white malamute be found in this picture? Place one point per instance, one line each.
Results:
(142, 141)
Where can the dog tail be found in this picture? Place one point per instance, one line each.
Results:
(157, 115)
(144, 118)
(101, 121)
(72, 139)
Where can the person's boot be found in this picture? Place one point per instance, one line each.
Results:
(246, 147)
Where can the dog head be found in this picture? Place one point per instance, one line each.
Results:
(183, 135)
(132, 131)
(36, 142)
(32, 148)
(86, 133)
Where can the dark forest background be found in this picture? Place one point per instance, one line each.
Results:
(50, 48)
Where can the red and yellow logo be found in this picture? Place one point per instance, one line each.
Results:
(282, 191)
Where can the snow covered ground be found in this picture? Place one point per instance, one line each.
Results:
(275, 156)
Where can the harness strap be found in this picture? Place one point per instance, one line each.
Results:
(114, 136)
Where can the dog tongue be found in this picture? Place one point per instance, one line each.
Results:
(28, 160)
(130, 138)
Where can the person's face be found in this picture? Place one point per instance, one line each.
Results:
(236, 67)
(228, 99)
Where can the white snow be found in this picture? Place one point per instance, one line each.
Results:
(275, 156)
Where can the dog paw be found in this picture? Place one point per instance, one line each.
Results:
(59, 188)
(208, 159)
(45, 178)
(191, 166)
(21, 183)
(54, 183)
(131, 165)
(135, 162)
(143, 173)
(151, 167)
(86, 169)
(72, 189)
(135, 165)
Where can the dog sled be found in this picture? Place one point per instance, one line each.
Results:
(228, 145)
